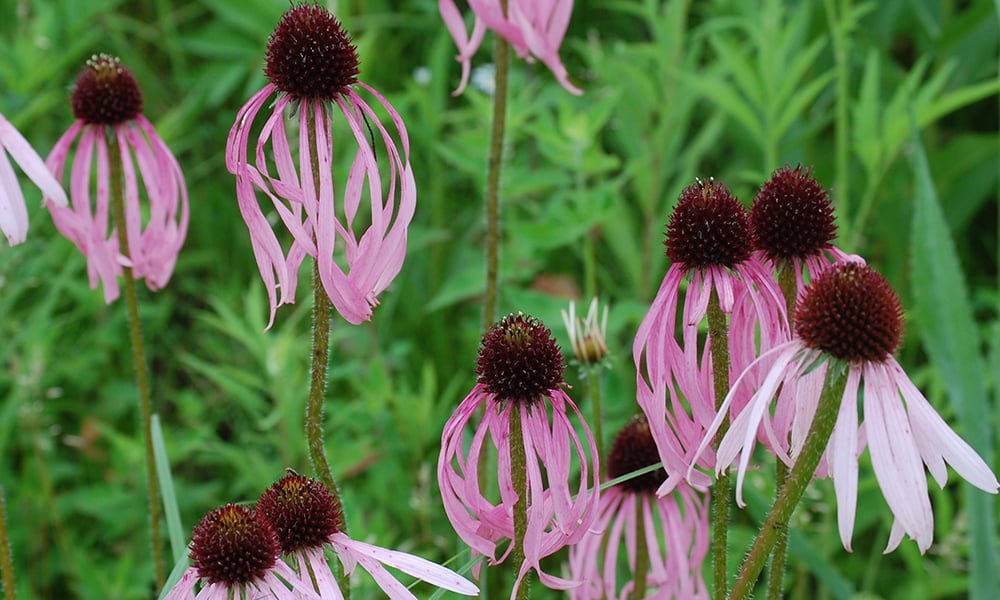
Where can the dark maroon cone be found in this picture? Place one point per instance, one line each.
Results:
(852, 313)
(302, 511)
(709, 228)
(519, 359)
(310, 56)
(106, 93)
(792, 216)
(634, 449)
(233, 545)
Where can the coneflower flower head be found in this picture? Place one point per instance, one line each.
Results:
(850, 318)
(674, 528)
(632, 449)
(235, 555)
(708, 228)
(106, 92)
(709, 241)
(310, 56)
(792, 216)
(534, 28)
(303, 512)
(852, 314)
(519, 360)
(793, 224)
(306, 517)
(107, 105)
(520, 368)
(233, 545)
(312, 67)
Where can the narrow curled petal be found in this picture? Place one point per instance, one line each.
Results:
(86, 221)
(675, 528)
(558, 514)
(355, 265)
(154, 196)
(534, 29)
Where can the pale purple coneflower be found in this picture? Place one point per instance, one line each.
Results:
(708, 242)
(520, 368)
(307, 518)
(535, 29)
(312, 68)
(13, 212)
(849, 319)
(107, 104)
(235, 555)
(793, 224)
(664, 537)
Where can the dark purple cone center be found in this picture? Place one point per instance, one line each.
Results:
(106, 93)
(233, 545)
(708, 228)
(634, 449)
(519, 359)
(851, 312)
(310, 56)
(302, 511)
(792, 216)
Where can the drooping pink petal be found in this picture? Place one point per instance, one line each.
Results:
(895, 458)
(842, 454)
(937, 442)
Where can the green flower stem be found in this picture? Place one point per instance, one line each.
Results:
(837, 19)
(786, 281)
(641, 550)
(594, 387)
(718, 332)
(802, 473)
(317, 384)
(320, 362)
(501, 51)
(6, 561)
(519, 478)
(138, 358)
(495, 163)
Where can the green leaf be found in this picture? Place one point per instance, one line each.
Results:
(952, 343)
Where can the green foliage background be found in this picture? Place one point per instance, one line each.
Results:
(894, 104)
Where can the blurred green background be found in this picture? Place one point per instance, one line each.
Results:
(673, 91)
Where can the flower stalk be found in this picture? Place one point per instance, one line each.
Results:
(519, 477)
(795, 486)
(718, 333)
(6, 560)
(320, 364)
(594, 388)
(789, 290)
(138, 358)
(493, 167)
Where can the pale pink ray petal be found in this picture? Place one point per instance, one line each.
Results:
(29, 161)
(13, 212)
(937, 442)
(895, 458)
(842, 453)
(415, 566)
